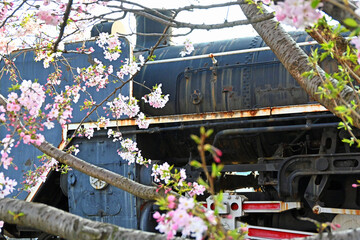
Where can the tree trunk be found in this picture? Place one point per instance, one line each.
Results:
(66, 225)
(296, 61)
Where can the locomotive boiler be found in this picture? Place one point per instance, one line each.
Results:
(275, 140)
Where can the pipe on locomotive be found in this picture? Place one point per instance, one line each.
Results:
(212, 55)
(182, 126)
(272, 129)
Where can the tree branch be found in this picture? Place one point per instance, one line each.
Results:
(177, 24)
(338, 11)
(66, 225)
(63, 25)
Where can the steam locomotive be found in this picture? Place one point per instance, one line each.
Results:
(275, 140)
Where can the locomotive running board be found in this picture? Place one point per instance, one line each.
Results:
(266, 233)
(260, 112)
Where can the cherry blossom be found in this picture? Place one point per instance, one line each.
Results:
(197, 189)
(296, 13)
(141, 121)
(6, 185)
(102, 122)
(161, 172)
(188, 48)
(155, 98)
(96, 75)
(131, 153)
(110, 44)
(129, 68)
(47, 56)
(32, 97)
(89, 132)
(356, 42)
(48, 17)
(180, 218)
(124, 105)
(116, 135)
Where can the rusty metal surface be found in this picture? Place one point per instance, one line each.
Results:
(318, 210)
(261, 112)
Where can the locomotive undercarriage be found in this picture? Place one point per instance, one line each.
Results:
(297, 158)
(289, 158)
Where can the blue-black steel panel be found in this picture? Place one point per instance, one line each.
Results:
(257, 79)
(25, 156)
(110, 204)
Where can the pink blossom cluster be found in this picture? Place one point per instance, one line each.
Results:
(74, 92)
(124, 105)
(196, 189)
(128, 68)
(356, 42)
(31, 138)
(5, 7)
(188, 48)
(116, 135)
(49, 17)
(47, 56)
(6, 185)
(96, 75)
(155, 98)
(38, 175)
(162, 172)
(110, 44)
(60, 110)
(141, 121)
(8, 143)
(103, 122)
(296, 13)
(181, 218)
(55, 77)
(89, 132)
(32, 97)
(131, 153)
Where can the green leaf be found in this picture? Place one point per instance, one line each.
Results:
(202, 130)
(341, 108)
(315, 3)
(209, 132)
(213, 170)
(203, 183)
(195, 164)
(195, 138)
(350, 22)
(14, 87)
(16, 215)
